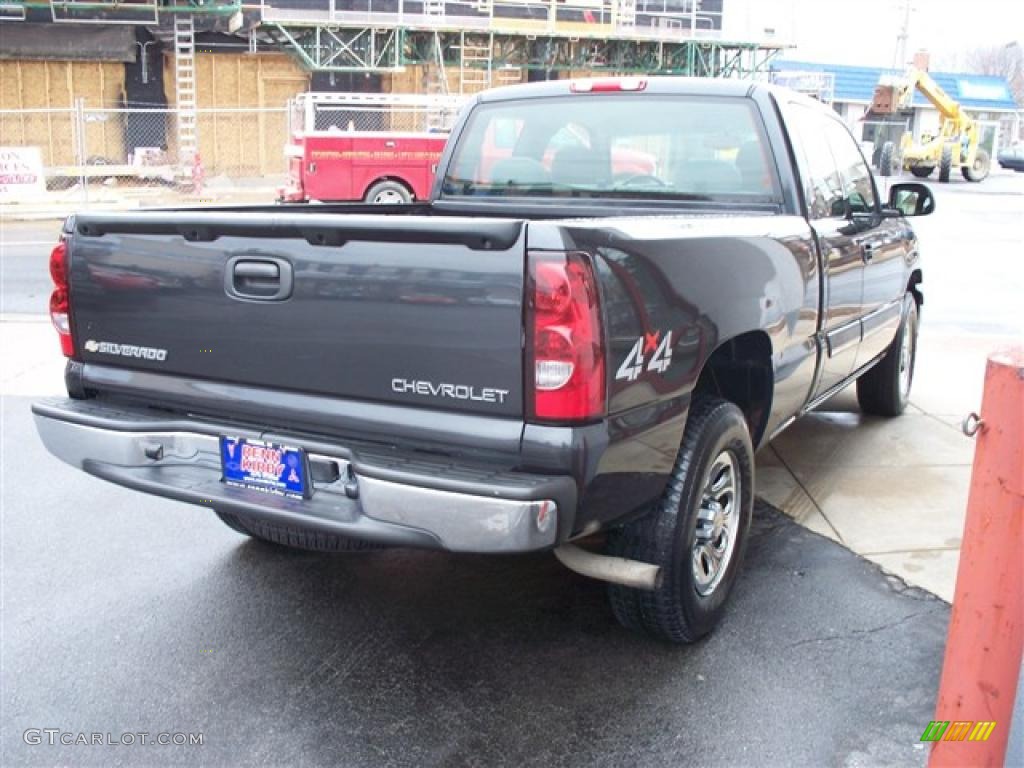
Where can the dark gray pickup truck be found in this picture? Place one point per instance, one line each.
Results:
(618, 291)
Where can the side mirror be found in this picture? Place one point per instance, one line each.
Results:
(911, 199)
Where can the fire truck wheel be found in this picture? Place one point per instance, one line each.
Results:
(388, 193)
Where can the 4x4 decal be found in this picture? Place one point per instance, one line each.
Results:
(633, 365)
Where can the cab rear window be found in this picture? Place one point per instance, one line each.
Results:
(615, 145)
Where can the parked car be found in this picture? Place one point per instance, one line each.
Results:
(546, 350)
(1012, 157)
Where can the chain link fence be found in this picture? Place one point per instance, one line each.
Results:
(92, 154)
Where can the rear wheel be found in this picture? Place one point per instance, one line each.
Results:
(979, 169)
(886, 159)
(885, 389)
(946, 163)
(295, 538)
(388, 193)
(922, 171)
(697, 532)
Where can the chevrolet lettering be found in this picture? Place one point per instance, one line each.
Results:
(453, 391)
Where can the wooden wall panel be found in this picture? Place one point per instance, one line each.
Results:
(246, 136)
(56, 85)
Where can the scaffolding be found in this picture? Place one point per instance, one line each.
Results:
(322, 49)
(483, 42)
(485, 38)
(148, 13)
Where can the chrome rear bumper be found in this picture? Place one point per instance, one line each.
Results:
(179, 458)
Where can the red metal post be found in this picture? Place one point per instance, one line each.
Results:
(986, 629)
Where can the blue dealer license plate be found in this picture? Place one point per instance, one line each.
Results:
(263, 466)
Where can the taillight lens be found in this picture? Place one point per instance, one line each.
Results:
(60, 302)
(565, 351)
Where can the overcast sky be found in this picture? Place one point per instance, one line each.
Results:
(865, 31)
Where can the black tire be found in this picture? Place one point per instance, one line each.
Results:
(233, 523)
(294, 538)
(922, 171)
(883, 390)
(979, 169)
(388, 193)
(946, 163)
(886, 159)
(676, 610)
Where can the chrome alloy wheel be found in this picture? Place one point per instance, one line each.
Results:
(906, 360)
(718, 520)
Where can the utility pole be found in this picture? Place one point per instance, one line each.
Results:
(900, 59)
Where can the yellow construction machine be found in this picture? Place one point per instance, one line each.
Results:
(956, 145)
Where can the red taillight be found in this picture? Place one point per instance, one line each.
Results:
(565, 354)
(60, 303)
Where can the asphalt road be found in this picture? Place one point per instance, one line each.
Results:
(123, 613)
(972, 248)
(129, 614)
(24, 278)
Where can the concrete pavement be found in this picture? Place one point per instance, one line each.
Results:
(895, 491)
(892, 491)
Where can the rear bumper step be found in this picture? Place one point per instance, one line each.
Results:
(179, 458)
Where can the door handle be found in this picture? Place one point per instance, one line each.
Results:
(258, 279)
(869, 251)
(257, 270)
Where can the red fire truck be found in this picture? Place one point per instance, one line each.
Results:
(380, 148)
(384, 148)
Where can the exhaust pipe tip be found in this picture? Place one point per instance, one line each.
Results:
(615, 570)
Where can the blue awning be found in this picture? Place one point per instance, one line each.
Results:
(857, 84)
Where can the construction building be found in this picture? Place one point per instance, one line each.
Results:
(214, 76)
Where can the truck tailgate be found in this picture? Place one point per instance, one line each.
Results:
(406, 309)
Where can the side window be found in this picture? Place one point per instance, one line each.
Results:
(857, 186)
(823, 185)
